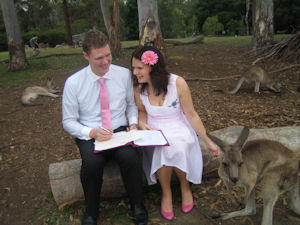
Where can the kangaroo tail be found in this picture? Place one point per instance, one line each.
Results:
(237, 87)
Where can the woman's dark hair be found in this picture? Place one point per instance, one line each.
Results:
(159, 75)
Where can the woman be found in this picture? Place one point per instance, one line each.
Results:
(165, 103)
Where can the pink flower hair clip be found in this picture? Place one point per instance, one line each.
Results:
(149, 58)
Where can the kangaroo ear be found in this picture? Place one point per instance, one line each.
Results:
(243, 136)
(217, 141)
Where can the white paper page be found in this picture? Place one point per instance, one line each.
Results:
(151, 137)
(118, 139)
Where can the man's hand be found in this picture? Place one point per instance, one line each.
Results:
(100, 134)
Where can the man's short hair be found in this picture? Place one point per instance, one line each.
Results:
(94, 39)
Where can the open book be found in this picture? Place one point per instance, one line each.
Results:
(136, 138)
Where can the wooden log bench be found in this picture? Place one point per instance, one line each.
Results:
(66, 185)
(65, 176)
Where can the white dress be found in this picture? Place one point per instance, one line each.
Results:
(184, 151)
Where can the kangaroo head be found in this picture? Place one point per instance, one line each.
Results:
(50, 84)
(274, 86)
(232, 159)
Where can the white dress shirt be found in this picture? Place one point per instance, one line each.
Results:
(81, 107)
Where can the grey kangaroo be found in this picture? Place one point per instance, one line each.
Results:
(260, 77)
(265, 161)
(31, 93)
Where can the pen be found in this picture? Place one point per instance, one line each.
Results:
(103, 128)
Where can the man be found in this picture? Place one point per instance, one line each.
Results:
(34, 45)
(85, 116)
(33, 42)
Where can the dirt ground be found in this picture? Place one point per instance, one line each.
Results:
(32, 138)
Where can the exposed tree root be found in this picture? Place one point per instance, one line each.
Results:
(286, 50)
(212, 79)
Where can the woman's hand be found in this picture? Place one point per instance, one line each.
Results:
(132, 127)
(144, 126)
(213, 148)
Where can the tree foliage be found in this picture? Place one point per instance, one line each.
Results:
(35, 14)
(178, 18)
(225, 10)
(129, 20)
(212, 26)
(286, 15)
(236, 27)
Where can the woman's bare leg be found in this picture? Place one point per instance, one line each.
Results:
(164, 176)
(186, 193)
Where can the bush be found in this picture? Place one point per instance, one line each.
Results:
(3, 42)
(80, 26)
(212, 26)
(236, 27)
(53, 37)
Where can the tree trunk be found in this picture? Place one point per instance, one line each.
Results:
(17, 57)
(149, 26)
(67, 22)
(247, 16)
(263, 19)
(112, 26)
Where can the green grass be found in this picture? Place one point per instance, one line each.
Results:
(116, 209)
(54, 216)
(129, 43)
(43, 67)
(231, 40)
(43, 52)
(228, 40)
(46, 67)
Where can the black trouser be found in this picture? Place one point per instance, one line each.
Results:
(91, 173)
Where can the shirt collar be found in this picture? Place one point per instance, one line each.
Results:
(95, 77)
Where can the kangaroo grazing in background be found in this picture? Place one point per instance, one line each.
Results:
(260, 77)
(262, 161)
(31, 93)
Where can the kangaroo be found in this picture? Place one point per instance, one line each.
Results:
(31, 93)
(259, 76)
(259, 161)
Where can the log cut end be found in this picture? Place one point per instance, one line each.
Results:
(66, 185)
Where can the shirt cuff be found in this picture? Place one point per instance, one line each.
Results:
(133, 120)
(85, 132)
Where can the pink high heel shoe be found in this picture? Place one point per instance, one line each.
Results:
(187, 208)
(167, 215)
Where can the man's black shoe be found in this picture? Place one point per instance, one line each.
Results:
(139, 214)
(89, 220)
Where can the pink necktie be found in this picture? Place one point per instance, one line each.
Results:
(104, 101)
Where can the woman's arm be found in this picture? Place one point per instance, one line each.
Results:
(142, 111)
(192, 116)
